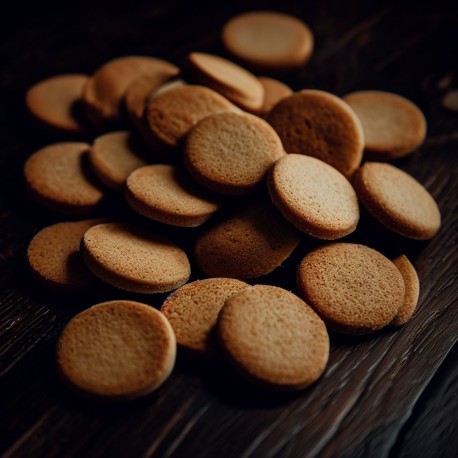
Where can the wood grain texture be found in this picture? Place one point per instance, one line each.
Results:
(391, 394)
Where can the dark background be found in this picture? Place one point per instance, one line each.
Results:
(391, 394)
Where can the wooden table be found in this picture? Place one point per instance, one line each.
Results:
(391, 394)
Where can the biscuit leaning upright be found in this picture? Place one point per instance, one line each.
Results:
(397, 200)
(320, 124)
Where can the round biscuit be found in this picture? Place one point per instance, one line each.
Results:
(319, 124)
(56, 176)
(55, 103)
(248, 245)
(273, 337)
(397, 200)
(268, 40)
(171, 114)
(354, 289)
(227, 78)
(313, 196)
(412, 290)
(116, 350)
(231, 153)
(274, 92)
(134, 259)
(114, 156)
(54, 257)
(105, 89)
(193, 309)
(166, 193)
(393, 126)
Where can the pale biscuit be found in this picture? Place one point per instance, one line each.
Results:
(104, 91)
(55, 103)
(231, 153)
(273, 337)
(54, 257)
(274, 92)
(227, 78)
(354, 289)
(313, 196)
(412, 290)
(393, 126)
(319, 124)
(268, 40)
(114, 156)
(171, 114)
(134, 259)
(116, 350)
(167, 194)
(248, 245)
(397, 200)
(193, 309)
(56, 176)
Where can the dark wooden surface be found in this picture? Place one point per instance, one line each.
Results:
(391, 394)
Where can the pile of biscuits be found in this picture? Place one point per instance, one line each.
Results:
(201, 139)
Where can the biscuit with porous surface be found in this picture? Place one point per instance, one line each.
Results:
(104, 91)
(268, 40)
(273, 337)
(274, 92)
(171, 114)
(56, 177)
(412, 290)
(250, 244)
(54, 257)
(397, 200)
(231, 153)
(313, 196)
(319, 124)
(168, 194)
(114, 156)
(55, 103)
(193, 309)
(393, 126)
(355, 289)
(116, 350)
(227, 78)
(134, 259)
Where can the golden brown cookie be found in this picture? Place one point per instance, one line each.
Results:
(167, 194)
(134, 259)
(116, 350)
(397, 200)
(103, 93)
(393, 126)
(56, 177)
(137, 95)
(55, 103)
(171, 114)
(450, 100)
(114, 156)
(319, 124)
(228, 79)
(313, 196)
(248, 245)
(193, 309)
(274, 92)
(273, 337)
(412, 290)
(354, 289)
(173, 83)
(231, 153)
(269, 40)
(54, 256)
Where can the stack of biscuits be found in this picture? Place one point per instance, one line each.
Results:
(181, 147)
